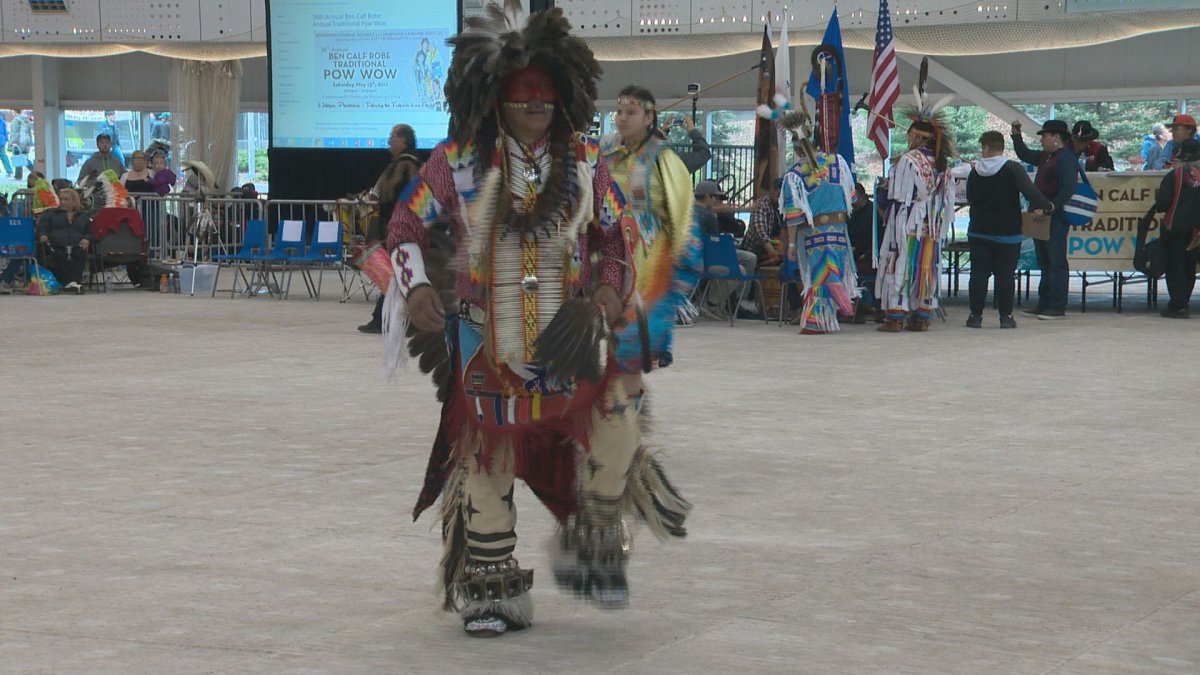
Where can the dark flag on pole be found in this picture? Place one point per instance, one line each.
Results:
(766, 155)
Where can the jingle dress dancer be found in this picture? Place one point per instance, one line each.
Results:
(814, 201)
(511, 312)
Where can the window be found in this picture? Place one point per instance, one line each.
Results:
(19, 125)
(82, 126)
(252, 164)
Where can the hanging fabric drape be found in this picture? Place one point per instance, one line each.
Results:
(205, 97)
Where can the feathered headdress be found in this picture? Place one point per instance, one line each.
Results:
(798, 121)
(932, 119)
(504, 41)
(43, 196)
(109, 191)
(102, 189)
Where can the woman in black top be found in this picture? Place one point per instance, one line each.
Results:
(137, 179)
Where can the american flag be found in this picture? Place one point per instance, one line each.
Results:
(885, 82)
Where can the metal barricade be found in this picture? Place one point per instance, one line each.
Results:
(20, 204)
(185, 227)
(313, 211)
(354, 216)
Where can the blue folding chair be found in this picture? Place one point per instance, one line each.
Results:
(721, 264)
(789, 277)
(287, 254)
(324, 251)
(17, 242)
(252, 255)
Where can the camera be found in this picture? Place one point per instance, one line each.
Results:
(693, 89)
(677, 122)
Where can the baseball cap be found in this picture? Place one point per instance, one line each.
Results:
(707, 187)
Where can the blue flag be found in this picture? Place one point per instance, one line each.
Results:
(833, 38)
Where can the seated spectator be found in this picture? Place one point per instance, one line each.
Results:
(1154, 149)
(1093, 155)
(859, 229)
(709, 195)
(246, 191)
(766, 225)
(65, 233)
(33, 178)
(14, 267)
(862, 242)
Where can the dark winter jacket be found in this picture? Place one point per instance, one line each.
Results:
(994, 191)
(63, 231)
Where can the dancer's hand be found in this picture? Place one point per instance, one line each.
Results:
(607, 298)
(425, 309)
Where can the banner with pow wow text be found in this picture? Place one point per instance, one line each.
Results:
(1106, 244)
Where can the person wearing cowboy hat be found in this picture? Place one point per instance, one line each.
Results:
(1182, 128)
(1179, 198)
(1093, 155)
(1057, 177)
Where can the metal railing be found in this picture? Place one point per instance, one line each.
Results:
(20, 204)
(732, 166)
(185, 227)
(353, 214)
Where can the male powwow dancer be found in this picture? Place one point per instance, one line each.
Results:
(512, 313)
(920, 208)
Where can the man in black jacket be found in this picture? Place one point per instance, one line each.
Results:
(994, 191)
(1179, 198)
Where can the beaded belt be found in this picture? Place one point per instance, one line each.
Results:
(827, 218)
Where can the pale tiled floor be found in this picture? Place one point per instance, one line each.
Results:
(198, 486)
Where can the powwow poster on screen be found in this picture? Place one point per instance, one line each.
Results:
(1106, 244)
(374, 70)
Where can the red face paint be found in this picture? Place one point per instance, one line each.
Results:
(528, 85)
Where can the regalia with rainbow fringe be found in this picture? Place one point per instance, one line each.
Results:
(665, 247)
(919, 211)
(520, 238)
(815, 201)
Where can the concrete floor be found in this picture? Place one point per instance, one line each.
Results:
(223, 486)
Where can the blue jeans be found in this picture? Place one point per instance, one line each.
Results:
(1052, 261)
